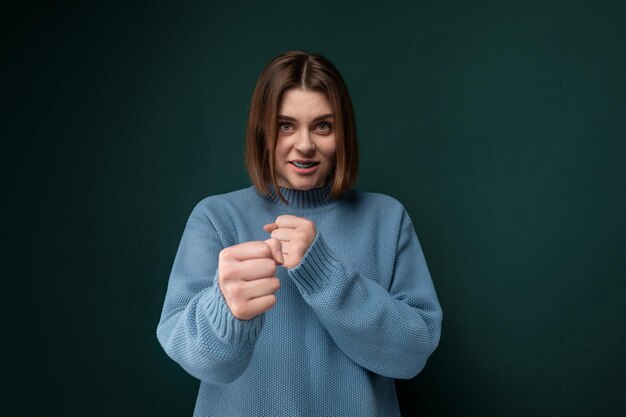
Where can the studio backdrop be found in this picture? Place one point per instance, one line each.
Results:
(499, 125)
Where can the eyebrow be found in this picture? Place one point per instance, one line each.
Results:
(317, 119)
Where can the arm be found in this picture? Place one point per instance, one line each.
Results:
(389, 332)
(197, 329)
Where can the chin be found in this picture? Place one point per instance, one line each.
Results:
(302, 184)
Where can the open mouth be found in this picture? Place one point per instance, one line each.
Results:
(304, 164)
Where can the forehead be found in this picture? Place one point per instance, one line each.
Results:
(301, 104)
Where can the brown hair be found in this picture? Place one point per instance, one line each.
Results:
(299, 69)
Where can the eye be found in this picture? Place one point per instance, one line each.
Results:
(324, 127)
(285, 127)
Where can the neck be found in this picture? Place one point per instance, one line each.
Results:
(302, 199)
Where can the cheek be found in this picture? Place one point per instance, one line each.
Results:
(279, 150)
(330, 152)
(333, 158)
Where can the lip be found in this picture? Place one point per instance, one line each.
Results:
(308, 170)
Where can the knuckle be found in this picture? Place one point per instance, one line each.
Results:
(226, 253)
(234, 291)
(271, 301)
(270, 265)
(222, 273)
(266, 250)
(276, 242)
(225, 272)
(238, 309)
(226, 290)
(308, 224)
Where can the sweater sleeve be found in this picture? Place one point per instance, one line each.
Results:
(197, 330)
(390, 332)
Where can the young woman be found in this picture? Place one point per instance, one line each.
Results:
(299, 296)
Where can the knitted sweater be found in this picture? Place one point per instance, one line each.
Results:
(359, 310)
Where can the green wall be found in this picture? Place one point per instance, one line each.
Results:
(499, 125)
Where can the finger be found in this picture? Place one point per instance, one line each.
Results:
(260, 305)
(270, 227)
(260, 287)
(289, 221)
(276, 250)
(254, 269)
(247, 250)
(285, 235)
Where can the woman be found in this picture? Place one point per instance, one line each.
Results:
(299, 296)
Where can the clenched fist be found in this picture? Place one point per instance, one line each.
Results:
(247, 277)
(295, 234)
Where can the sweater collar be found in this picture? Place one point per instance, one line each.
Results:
(298, 199)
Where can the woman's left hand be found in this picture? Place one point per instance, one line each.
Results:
(296, 235)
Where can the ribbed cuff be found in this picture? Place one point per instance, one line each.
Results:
(318, 266)
(224, 324)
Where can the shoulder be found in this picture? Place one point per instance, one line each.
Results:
(237, 197)
(375, 201)
(374, 208)
(224, 203)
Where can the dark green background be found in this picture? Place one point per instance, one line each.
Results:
(500, 126)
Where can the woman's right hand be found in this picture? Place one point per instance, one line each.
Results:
(247, 277)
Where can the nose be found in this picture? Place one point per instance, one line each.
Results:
(304, 143)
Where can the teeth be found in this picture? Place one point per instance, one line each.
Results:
(303, 165)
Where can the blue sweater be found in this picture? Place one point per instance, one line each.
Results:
(359, 310)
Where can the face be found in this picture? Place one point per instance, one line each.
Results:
(305, 147)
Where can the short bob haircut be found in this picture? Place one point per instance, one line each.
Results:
(306, 71)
